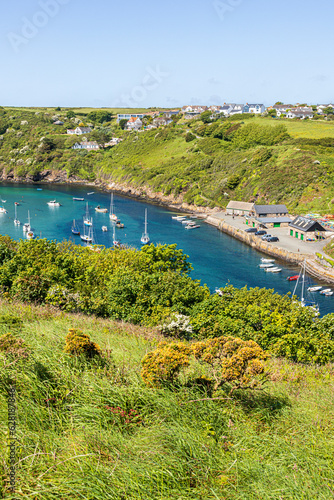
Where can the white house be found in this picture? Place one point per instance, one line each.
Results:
(79, 131)
(134, 123)
(281, 109)
(254, 108)
(90, 145)
(300, 113)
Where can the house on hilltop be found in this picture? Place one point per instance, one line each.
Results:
(88, 145)
(300, 113)
(254, 108)
(79, 131)
(134, 123)
(162, 121)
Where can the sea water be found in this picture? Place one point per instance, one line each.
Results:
(216, 257)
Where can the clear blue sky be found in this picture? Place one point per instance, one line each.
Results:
(153, 53)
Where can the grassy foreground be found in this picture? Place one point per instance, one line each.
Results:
(272, 444)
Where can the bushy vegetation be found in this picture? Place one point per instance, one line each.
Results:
(86, 430)
(152, 287)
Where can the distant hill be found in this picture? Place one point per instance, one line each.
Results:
(205, 164)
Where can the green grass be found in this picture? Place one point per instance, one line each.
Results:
(301, 128)
(276, 444)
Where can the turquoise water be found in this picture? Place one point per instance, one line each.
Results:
(216, 257)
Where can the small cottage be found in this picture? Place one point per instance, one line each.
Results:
(306, 229)
(239, 208)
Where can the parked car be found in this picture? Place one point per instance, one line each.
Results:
(251, 230)
(266, 236)
(273, 238)
(261, 232)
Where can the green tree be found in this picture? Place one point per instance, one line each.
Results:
(206, 116)
(122, 123)
(70, 114)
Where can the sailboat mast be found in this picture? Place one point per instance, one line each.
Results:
(145, 221)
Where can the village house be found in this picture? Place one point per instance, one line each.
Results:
(127, 116)
(239, 208)
(300, 113)
(79, 130)
(162, 121)
(134, 123)
(306, 229)
(171, 112)
(281, 109)
(113, 142)
(89, 145)
(254, 108)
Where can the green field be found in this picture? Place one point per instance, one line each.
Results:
(302, 128)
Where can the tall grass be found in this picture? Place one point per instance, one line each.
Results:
(272, 444)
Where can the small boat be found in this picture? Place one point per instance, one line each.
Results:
(92, 192)
(265, 266)
(119, 224)
(26, 226)
(16, 221)
(4, 201)
(112, 216)
(219, 292)
(115, 242)
(39, 189)
(314, 288)
(328, 294)
(325, 290)
(16, 203)
(87, 219)
(293, 278)
(186, 221)
(267, 260)
(78, 199)
(192, 226)
(179, 217)
(305, 302)
(53, 203)
(101, 210)
(145, 239)
(30, 235)
(87, 237)
(3, 210)
(75, 229)
(104, 229)
(273, 270)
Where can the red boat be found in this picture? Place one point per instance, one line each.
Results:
(293, 278)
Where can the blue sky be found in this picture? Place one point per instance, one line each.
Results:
(150, 53)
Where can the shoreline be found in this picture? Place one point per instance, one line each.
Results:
(208, 215)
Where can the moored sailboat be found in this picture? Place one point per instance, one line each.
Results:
(16, 221)
(75, 229)
(145, 239)
(112, 215)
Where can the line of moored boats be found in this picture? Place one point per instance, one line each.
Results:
(187, 222)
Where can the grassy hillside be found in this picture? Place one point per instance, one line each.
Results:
(180, 444)
(246, 158)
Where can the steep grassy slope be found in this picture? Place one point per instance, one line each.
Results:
(258, 159)
(271, 444)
